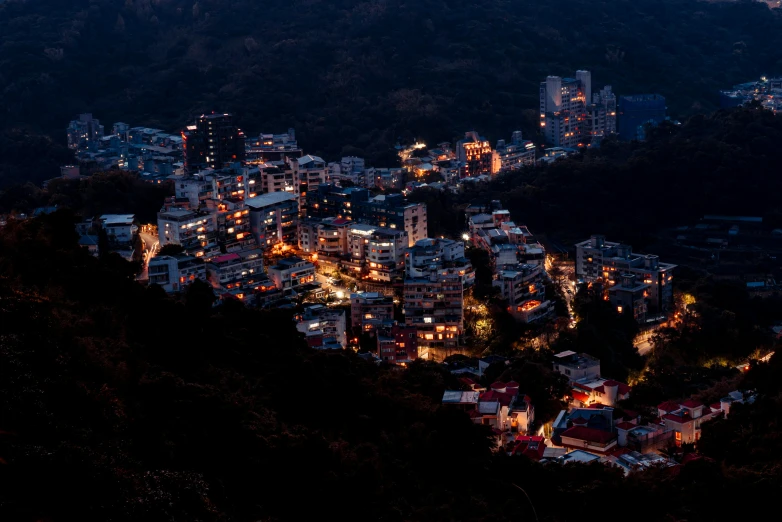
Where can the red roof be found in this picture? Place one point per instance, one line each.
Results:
(531, 447)
(340, 221)
(467, 381)
(716, 406)
(579, 420)
(498, 385)
(678, 418)
(588, 434)
(599, 389)
(224, 258)
(625, 426)
(512, 384)
(493, 395)
(690, 403)
(668, 406)
(580, 396)
(624, 389)
(611, 383)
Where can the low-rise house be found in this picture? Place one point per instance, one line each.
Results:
(175, 273)
(397, 344)
(323, 327)
(463, 400)
(531, 447)
(120, 228)
(598, 391)
(576, 366)
(685, 419)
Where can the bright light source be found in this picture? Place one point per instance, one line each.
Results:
(340, 294)
(466, 236)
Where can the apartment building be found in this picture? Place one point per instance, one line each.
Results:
(329, 200)
(323, 327)
(570, 115)
(438, 256)
(213, 141)
(522, 287)
(195, 231)
(175, 273)
(370, 311)
(308, 173)
(385, 178)
(120, 228)
(237, 274)
(598, 260)
(221, 185)
(272, 147)
(274, 218)
(477, 155)
(393, 212)
(84, 133)
(435, 307)
(516, 154)
(397, 345)
(293, 275)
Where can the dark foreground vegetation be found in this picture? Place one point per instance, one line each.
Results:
(120, 403)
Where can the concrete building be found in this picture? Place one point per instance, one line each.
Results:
(398, 344)
(274, 219)
(370, 311)
(213, 141)
(435, 307)
(308, 173)
(517, 154)
(386, 179)
(329, 200)
(84, 133)
(522, 287)
(195, 231)
(274, 177)
(237, 274)
(576, 366)
(393, 212)
(175, 273)
(429, 257)
(570, 115)
(323, 327)
(477, 155)
(598, 260)
(293, 275)
(212, 185)
(685, 419)
(120, 228)
(272, 147)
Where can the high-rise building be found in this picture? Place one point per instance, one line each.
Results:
(438, 256)
(370, 310)
(570, 115)
(476, 153)
(635, 111)
(274, 218)
(308, 173)
(522, 286)
(84, 132)
(601, 261)
(393, 211)
(213, 141)
(329, 200)
(435, 308)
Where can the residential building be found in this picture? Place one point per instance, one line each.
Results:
(351, 171)
(385, 179)
(397, 344)
(462, 400)
(120, 228)
(435, 307)
(532, 447)
(308, 173)
(328, 200)
(685, 419)
(392, 211)
(570, 116)
(370, 310)
(523, 288)
(476, 153)
(517, 154)
(629, 296)
(438, 256)
(767, 91)
(84, 133)
(274, 218)
(638, 110)
(195, 231)
(213, 141)
(293, 275)
(576, 366)
(590, 390)
(212, 185)
(332, 237)
(598, 260)
(323, 327)
(234, 226)
(175, 273)
(275, 178)
(589, 429)
(237, 274)
(272, 147)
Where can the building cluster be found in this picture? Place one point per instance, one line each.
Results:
(639, 285)
(517, 260)
(573, 116)
(766, 91)
(595, 427)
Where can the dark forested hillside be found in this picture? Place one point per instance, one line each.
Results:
(351, 76)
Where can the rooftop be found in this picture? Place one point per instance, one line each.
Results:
(272, 198)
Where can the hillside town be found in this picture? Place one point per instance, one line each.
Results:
(344, 247)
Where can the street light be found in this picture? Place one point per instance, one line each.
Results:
(466, 236)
